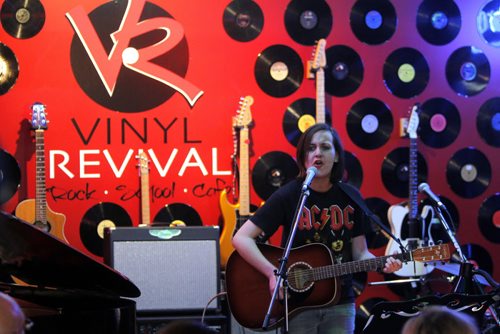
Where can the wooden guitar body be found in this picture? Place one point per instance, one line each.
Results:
(230, 218)
(55, 221)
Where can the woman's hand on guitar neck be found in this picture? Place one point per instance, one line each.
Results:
(392, 265)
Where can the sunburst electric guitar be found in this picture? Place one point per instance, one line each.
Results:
(397, 213)
(313, 280)
(36, 211)
(318, 64)
(235, 215)
(143, 164)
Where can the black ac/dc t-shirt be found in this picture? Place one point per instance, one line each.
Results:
(331, 218)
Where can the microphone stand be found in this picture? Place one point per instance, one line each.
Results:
(282, 278)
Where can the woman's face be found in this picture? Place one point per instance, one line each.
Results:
(321, 154)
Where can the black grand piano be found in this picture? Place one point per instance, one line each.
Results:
(59, 288)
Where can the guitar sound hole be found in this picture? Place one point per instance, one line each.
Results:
(300, 277)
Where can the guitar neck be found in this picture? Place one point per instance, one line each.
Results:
(244, 181)
(413, 182)
(40, 191)
(320, 95)
(145, 211)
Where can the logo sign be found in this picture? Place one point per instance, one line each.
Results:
(130, 56)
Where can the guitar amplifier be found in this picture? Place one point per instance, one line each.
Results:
(177, 269)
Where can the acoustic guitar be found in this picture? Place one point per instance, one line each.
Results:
(143, 164)
(234, 215)
(397, 213)
(36, 211)
(312, 278)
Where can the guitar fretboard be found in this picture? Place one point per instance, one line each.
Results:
(320, 95)
(40, 191)
(244, 190)
(413, 180)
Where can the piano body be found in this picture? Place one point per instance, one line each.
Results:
(59, 288)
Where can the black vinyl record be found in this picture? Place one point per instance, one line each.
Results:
(487, 23)
(177, 214)
(299, 116)
(406, 72)
(308, 21)
(243, 20)
(489, 218)
(488, 122)
(378, 237)
(96, 219)
(344, 71)
(438, 22)
(369, 123)
(478, 256)
(468, 71)
(22, 18)
(353, 172)
(373, 22)
(279, 70)
(10, 176)
(440, 123)
(10, 68)
(271, 171)
(395, 171)
(468, 172)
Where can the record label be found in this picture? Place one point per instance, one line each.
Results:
(489, 218)
(488, 122)
(22, 18)
(438, 22)
(10, 176)
(271, 171)
(96, 219)
(468, 172)
(440, 123)
(243, 20)
(177, 214)
(369, 123)
(373, 22)
(308, 21)
(279, 70)
(344, 73)
(406, 73)
(9, 68)
(468, 71)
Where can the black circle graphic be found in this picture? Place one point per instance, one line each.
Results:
(308, 21)
(344, 72)
(10, 176)
(243, 20)
(468, 172)
(488, 121)
(10, 70)
(177, 214)
(438, 22)
(373, 22)
(439, 122)
(468, 71)
(133, 92)
(353, 172)
(489, 218)
(22, 18)
(271, 171)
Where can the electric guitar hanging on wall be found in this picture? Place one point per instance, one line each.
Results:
(318, 64)
(36, 211)
(396, 213)
(234, 215)
(144, 177)
(312, 280)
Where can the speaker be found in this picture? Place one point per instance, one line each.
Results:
(177, 269)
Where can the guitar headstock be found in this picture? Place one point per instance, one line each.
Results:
(244, 117)
(319, 55)
(143, 163)
(432, 253)
(414, 121)
(38, 117)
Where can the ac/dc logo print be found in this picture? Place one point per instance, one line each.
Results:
(130, 56)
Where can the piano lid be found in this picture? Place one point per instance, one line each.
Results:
(39, 259)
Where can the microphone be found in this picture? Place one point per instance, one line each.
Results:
(424, 188)
(311, 173)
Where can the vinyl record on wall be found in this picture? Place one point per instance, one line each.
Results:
(478, 256)
(438, 22)
(344, 71)
(378, 237)
(10, 176)
(489, 218)
(279, 70)
(243, 20)
(308, 21)
(440, 123)
(369, 123)
(488, 21)
(22, 18)
(395, 171)
(299, 116)
(406, 72)
(96, 219)
(353, 172)
(271, 171)
(177, 214)
(9, 68)
(373, 22)
(468, 172)
(488, 122)
(468, 71)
